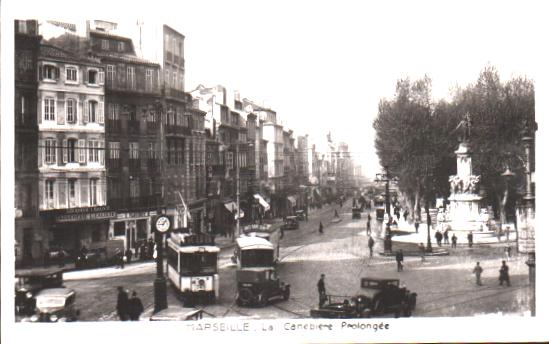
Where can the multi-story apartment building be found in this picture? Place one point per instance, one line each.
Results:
(302, 160)
(71, 148)
(29, 238)
(134, 140)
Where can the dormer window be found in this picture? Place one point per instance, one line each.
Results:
(104, 44)
(121, 46)
(50, 72)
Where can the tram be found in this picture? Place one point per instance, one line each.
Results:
(193, 266)
(269, 232)
(379, 206)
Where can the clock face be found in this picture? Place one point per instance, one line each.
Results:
(162, 224)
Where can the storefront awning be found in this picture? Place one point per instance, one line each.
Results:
(292, 200)
(231, 207)
(262, 201)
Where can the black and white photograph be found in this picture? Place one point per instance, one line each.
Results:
(278, 171)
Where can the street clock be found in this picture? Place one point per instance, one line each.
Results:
(162, 224)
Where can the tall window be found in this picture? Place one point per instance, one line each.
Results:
(50, 193)
(72, 145)
(92, 77)
(23, 109)
(130, 77)
(230, 160)
(174, 80)
(50, 145)
(92, 111)
(94, 191)
(72, 192)
(49, 109)
(134, 150)
(114, 150)
(93, 154)
(110, 73)
(149, 79)
(167, 77)
(120, 46)
(134, 188)
(71, 74)
(71, 110)
(50, 72)
(104, 44)
(113, 112)
(152, 152)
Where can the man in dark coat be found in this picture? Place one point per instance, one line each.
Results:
(438, 237)
(122, 304)
(446, 236)
(135, 307)
(470, 239)
(504, 274)
(416, 224)
(371, 246)
(454, 240)
(320, 228)
(321, 291)
(399, 259)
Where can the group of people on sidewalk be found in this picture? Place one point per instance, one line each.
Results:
(128, 308)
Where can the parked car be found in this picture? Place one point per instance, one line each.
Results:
(57, 255)
(177, 313)
(300, 214)
(30, 282)
(55, 305)
(258, 286)
(290, 222)
(100, 253)
(378, 296)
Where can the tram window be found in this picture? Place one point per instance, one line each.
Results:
(198, 262)
(251, 258)
(172, 257)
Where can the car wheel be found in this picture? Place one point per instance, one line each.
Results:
(286, 294)
(245, 296)
(262, 299)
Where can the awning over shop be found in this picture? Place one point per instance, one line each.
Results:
(292, 200)
(262, 201)
(231, 207)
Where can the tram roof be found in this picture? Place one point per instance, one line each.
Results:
(253, 242)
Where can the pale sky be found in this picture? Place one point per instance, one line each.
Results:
(324, 65)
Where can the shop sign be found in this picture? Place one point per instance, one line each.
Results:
(526, 229)
(86, 214)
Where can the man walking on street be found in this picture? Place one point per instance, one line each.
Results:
(122, 304)
(371, 246)
(368, 228)
(320, 228)
(477, 271)
(470, 239)
(446, 242)
(416, 224)
(321, 291)
(454, 240)
(504, 274)
(135, 307)
(399, 259)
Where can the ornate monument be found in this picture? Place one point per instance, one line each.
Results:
(464, 210)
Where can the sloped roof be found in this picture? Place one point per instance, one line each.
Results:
(55, 53)
(125, 58)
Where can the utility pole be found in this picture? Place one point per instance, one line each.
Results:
(237, 186)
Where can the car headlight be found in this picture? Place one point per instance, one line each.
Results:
(34, 318)
(53, 317)
(28, 294)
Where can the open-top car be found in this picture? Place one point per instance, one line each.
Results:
(30, 282)
(55, 305)
(291, 222)
(378, 296)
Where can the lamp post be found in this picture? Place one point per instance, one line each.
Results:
(507, 176)
(387, 178)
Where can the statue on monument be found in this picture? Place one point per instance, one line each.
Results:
(466, 124)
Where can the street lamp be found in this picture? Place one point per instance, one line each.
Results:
(386, 178)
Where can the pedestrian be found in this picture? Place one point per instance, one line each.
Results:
(151, 248)
(321, 291)
(405, 214)
(135, 307)
(398, 215)
(446, 242)
(498, 234)
(369, 217)
(422, 251)
(368, 228)
(320, 228)
(119, 258)
(507, 230)
(454, 240)
(128, 254)
(335, 213)
(504, 274)
(340, 203)
(416, 224)
(470, 239)
(438, 237)
(477, 271)
(399, 256)
(122, 304)
(371, 245)
(508, 252)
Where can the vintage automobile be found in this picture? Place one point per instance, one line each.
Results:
(379, 296)
(256, 275)
(300, 214)
(29, 282)
(57, 255)
(290, 222)
(99, 254)
(356, 213)
(55, 305)
(177, 313)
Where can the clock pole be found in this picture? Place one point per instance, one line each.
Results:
(160, 287)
